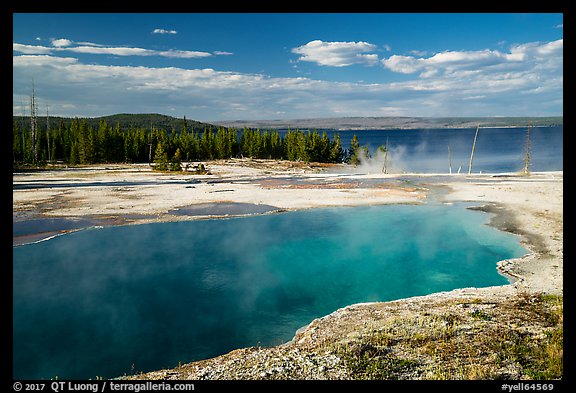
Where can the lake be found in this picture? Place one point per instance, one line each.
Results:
(497, 149)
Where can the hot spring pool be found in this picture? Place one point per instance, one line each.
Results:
(120, 300)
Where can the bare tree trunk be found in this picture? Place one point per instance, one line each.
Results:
(22, 129)
(527, 152)
(449, 160)
(48, 132)
(33, 124)
(473, 147)
(385, 168)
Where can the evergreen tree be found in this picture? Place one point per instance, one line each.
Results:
(128, 151)
(276, 145)
(176, 162)
(194, 146)
(265, 145)
(160, 158)
(74, 154)
(41, 143)
(232, 142)
(185, 141)
(354, 151)
(79, 142)
(325, 148)
(17, 151)
(207, 145)
(313, 147)
(65, 138)
(336, 151)
(301, 145)
(222, 148)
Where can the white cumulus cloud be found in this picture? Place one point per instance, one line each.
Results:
(527, 79)
(163, 31)
(31, 49)
(337, 54)
(61, 42)
(520, 57)
(403, 64)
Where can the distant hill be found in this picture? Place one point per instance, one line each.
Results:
(377, 123)
(168, 123)
(126, 121)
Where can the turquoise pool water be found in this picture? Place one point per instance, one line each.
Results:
(120, 300)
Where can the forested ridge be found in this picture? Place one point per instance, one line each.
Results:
(79, 141)
(124, 120)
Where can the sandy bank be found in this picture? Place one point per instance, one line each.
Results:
(138, 190)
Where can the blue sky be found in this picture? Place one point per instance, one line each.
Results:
(285, 66)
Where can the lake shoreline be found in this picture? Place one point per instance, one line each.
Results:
(529, 206)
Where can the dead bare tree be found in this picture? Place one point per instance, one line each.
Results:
(33, 124)
(527, 152)
(48, 133)
(23, 107)
(385, 167)
(473, 147)
(449, 160)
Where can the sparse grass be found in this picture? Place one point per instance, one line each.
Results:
(366, 361)
(523, 339)
(479, 314)
(539, 359)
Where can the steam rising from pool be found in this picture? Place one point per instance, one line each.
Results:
(126, 299)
